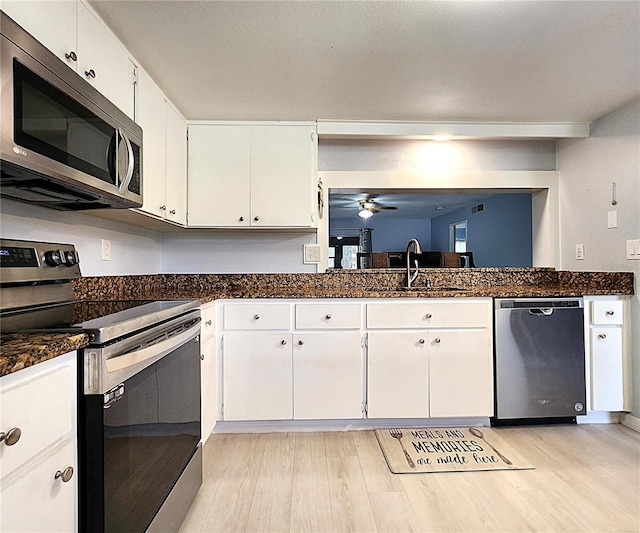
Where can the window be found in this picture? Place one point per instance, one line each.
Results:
(458, 237)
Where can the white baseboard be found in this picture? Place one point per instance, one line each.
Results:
(599, 417)
(630, 421)
(278, 426)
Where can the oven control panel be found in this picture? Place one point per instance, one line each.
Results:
(31, 261)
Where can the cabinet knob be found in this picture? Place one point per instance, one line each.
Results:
(208, 323)
(201, 357)
(602, 336)
(65, 475)
(163, 208)
(609, 313)
(328, 317)
(71, 56)
(241, 219)
(300, 342)
(90, 73)
(428, 316)
(256, 317)
(11, 437)
(436, 340)
(172, 212)
(256, 218)
(283, 342)
(421, 341)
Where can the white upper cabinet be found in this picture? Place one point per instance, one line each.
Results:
(251, 175)
(164, 154)
(53, 22)
(79, 38)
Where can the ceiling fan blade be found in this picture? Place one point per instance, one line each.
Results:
(383, 208)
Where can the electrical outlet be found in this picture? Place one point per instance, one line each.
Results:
(312, 253)
(579, 251)
(106, 250)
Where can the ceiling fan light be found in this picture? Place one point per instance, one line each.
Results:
(365, 213)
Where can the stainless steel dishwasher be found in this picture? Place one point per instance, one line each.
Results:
(540, 359)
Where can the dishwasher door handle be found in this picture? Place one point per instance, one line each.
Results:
(546, 311)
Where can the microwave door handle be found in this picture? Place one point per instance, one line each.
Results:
(130, 163)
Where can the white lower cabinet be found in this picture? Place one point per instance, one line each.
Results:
(607, 353)
(38, 478)
(327, 375)
(257, 381)
(305, 359)
(441, 365)
(397, 374)
(208, 371)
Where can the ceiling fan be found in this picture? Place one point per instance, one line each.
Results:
(369, 207)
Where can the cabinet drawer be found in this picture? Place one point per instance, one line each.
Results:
(328, 316)
(603, 312)
(208, 316)
(42, 408)
(429, 313)
(254, 316)
(35, 500)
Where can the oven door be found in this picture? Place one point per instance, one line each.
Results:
(137, 438)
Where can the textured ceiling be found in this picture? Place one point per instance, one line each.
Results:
(558, 61)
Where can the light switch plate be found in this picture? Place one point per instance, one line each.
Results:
(579, 251)
(612, 219)
(312, 254)
(633, 249)
(106, 250)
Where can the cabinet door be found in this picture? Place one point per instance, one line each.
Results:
(52, 22)
(282, 175)
(398, 374)
(208, 379)
(257, 381)
(607, 385)
(327, 375)
(99, 51)
(35, 501)
(460, 373)
(176, 166)
(219, 176)
(151, 116)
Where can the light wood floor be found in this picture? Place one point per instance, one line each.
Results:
(587, 478)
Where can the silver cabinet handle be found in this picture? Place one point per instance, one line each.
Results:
(65, 475)
(71, 56)
(421, 341)
(283, 342)
(328, 317)
(90, 73)
(11, 437)
(602, 336)
(436, 340)
(428, 316)
(256, 317)
(609, 313)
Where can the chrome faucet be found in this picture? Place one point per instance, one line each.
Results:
(417, 250)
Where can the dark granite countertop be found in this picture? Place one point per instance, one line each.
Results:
(21, 351)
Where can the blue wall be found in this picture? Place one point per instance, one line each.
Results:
(500, 235)
(389, 234)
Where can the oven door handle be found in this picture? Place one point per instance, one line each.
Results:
(155, 351)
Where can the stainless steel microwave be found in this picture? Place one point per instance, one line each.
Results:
(62, 144)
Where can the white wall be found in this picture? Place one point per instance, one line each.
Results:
(235, 252)
(587, 168)
(133, 250)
